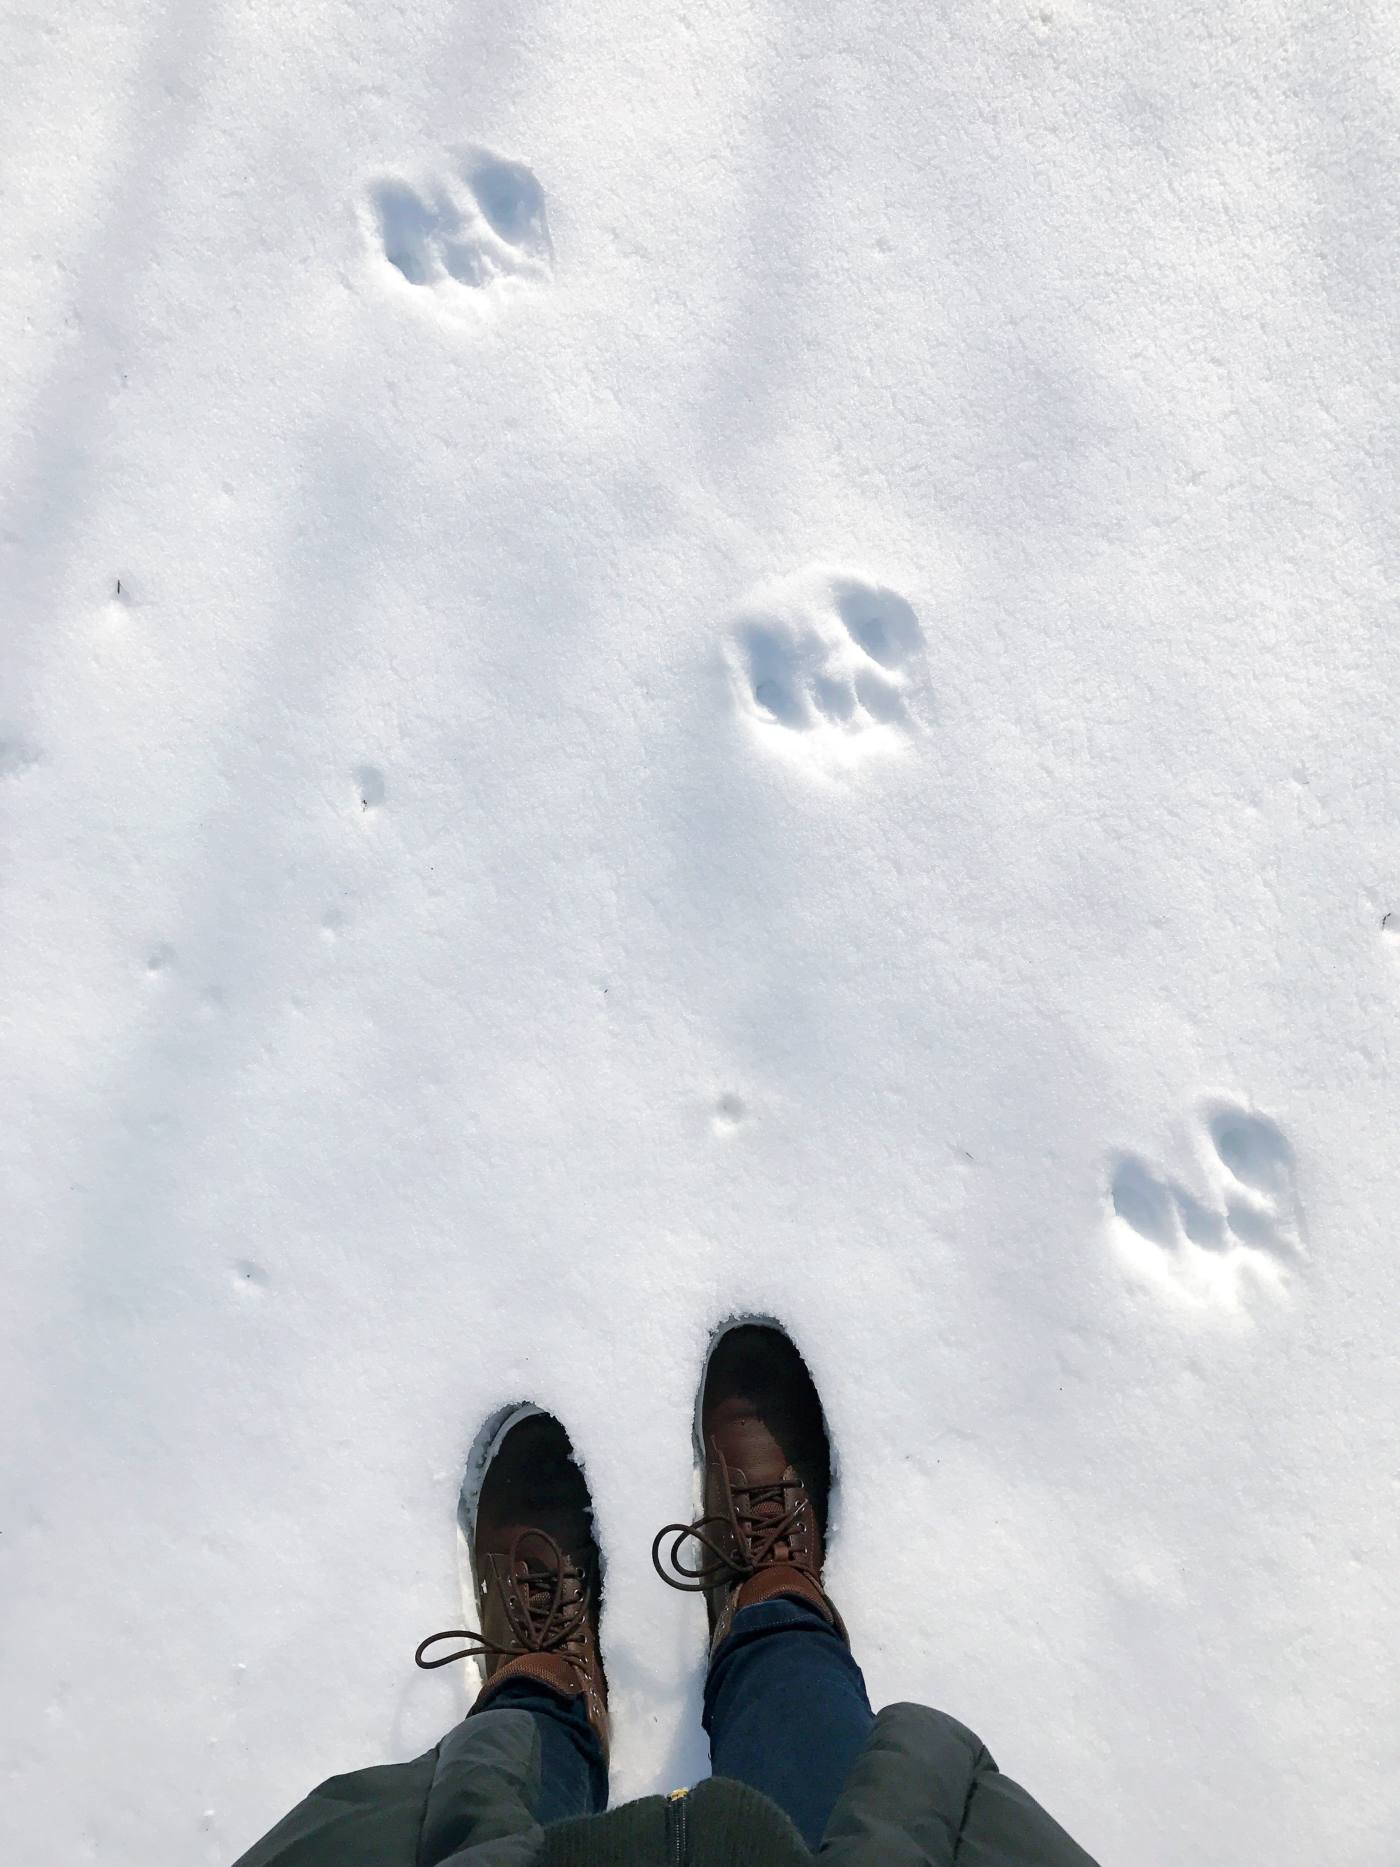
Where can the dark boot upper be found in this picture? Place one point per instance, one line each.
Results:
(537, 1570)
(767, 1480)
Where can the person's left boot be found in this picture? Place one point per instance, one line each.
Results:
(537, 1572)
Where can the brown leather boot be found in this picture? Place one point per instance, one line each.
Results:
(767, 1464)
(537, 1571)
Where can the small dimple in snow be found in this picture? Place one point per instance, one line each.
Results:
(369, 787)
(16, 756)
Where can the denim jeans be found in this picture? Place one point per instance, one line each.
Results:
(785, 1709)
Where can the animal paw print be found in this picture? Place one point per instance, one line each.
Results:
(829, 658)
(1246, 1234)
(468, 230)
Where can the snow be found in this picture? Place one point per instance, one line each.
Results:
(670, 659)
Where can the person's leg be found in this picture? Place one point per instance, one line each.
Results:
(786, 1709)
(536, 1569)
(479, 1775)
(785, 1703)
(573, 1768)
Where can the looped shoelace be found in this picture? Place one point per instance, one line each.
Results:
(546, 1623)
(757, 1528)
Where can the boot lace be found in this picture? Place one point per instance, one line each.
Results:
(549, 1599)
(760, 1520)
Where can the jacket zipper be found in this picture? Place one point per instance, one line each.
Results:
(675, 1827)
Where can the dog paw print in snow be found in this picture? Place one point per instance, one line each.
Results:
(467, 231)
(1243, 1237)
(827, 664)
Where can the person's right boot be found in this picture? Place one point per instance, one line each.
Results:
(767, 1463)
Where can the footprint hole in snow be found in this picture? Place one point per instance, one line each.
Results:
(880, 622)
(880, 700)
(510, 199)
(467, 264)
(1143, 1203)
(405, 226)
(773, 668)
(1252, 1149)
(834, 699)
(1202, 1226)
(1250, 1225)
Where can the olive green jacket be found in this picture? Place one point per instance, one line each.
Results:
(924, 1792)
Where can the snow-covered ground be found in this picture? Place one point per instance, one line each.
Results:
(663, 658)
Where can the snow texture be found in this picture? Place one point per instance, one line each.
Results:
(670, 658)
